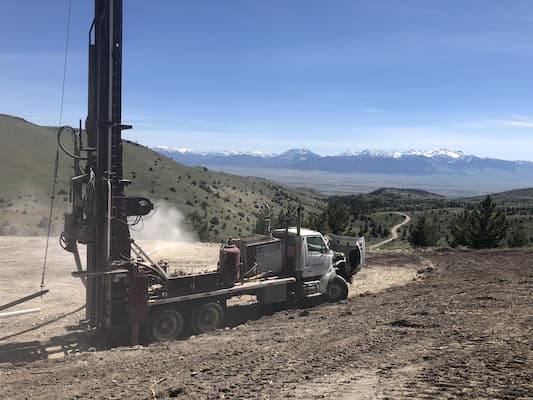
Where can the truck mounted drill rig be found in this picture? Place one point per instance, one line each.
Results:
(125, 290)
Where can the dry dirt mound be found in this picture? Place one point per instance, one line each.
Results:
(461, 329)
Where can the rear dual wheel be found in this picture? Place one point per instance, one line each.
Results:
(168, 323)
(165, 324)
(207, 317)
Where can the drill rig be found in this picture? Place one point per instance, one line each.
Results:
(125, 290)
(100, 208)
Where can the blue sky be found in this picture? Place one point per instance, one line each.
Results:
(271, 75)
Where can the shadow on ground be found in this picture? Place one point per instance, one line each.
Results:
(57, 346)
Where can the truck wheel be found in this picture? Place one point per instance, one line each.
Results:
(165, 324)
(337, 290)
(207, 317)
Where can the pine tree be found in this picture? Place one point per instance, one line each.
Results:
(460, 230)
(379, 231)
(317, 222)
(338, 215)
(286, 217)
(481, 228)
(423, 233)
(488, 225)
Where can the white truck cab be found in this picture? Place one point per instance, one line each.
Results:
(316, 256)
(317, 264)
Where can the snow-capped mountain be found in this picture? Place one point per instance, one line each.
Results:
(397, 154)
(412, 162)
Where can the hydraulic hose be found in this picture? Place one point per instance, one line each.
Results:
(68, 153)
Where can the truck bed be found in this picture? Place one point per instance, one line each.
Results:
(240, 288)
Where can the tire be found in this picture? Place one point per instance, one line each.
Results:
(337, 290)
(207, 317)
(165, 324)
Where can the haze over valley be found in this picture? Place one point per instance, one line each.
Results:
(447, 172)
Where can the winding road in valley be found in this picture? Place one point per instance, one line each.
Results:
(394, 231)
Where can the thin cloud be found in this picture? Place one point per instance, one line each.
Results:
(515, 122)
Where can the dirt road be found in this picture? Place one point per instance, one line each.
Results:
(394, 231)
(459, 327)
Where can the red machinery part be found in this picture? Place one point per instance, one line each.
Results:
(230, 258)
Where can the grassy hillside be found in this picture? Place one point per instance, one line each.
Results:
(520, 197)
(228, 203)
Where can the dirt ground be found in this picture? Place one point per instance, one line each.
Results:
(436, 324)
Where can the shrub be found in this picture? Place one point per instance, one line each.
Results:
(517, 237)
(197, 224)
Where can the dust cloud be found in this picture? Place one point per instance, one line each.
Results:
(163, 223)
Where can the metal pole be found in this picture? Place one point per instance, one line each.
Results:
(23, 299)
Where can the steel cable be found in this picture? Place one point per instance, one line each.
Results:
(56, 162)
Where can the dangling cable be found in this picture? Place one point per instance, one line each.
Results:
(56, 162)
(65, 65)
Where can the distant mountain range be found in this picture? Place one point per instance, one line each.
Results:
(413, 162)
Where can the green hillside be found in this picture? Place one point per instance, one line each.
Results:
(512, 197)
(397, 193)
(229, 204)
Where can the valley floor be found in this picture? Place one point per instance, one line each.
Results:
(446, 324)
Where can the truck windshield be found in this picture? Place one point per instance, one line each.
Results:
(316, 243)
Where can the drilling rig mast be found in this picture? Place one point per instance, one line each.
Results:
(100, 208)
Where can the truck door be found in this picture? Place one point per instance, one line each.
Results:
(318, 257)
